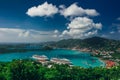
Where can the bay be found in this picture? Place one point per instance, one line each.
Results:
(76, 57)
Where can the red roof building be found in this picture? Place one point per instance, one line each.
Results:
(110, 63)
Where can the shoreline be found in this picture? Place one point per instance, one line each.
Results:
(100, 59)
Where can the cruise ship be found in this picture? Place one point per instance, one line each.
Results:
(44, 60)
(61, 61)
(40, 57)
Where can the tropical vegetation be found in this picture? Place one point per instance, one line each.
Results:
(31, 70)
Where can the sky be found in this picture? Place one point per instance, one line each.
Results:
(53, 20)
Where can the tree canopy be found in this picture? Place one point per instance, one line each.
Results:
(31, 70)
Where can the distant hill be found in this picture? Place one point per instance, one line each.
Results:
(92, 43)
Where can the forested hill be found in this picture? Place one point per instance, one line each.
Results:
(91, 43)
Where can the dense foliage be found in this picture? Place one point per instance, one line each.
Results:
(30, 70)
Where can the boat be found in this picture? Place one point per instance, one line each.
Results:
(60, 61)
(65, 59)
(40, 57)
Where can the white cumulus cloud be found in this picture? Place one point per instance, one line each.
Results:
(81, 27)
(56, 31)
(112, 32)
(75, 10)
(23, 35)
(118, 18)
(44, 9)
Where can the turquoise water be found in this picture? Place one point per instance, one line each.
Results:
(76, 57)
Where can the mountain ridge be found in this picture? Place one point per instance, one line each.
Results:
(92, 43)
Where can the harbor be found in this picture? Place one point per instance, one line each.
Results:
(77, 58)
(44, 60)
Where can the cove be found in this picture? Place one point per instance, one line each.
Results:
(76, 57)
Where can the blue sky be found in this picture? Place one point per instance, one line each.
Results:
(51, 20)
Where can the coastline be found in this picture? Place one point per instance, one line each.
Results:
(103, 61)
(100, 59)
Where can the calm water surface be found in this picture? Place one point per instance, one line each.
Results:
(76, 57)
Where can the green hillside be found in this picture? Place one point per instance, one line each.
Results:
(91, 43)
